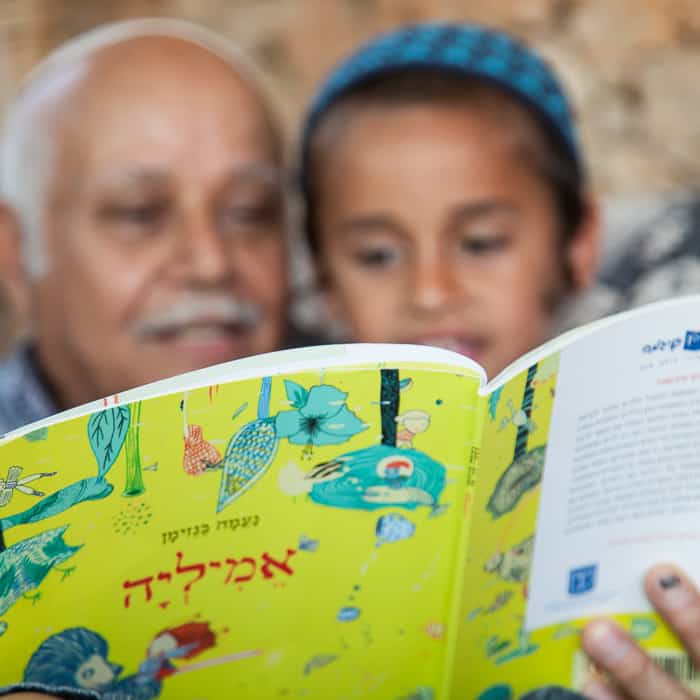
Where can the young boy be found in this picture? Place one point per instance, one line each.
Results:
(447, 204)
(446, 196)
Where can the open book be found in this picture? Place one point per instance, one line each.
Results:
(356, 521)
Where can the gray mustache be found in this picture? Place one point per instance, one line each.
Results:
(214, 309)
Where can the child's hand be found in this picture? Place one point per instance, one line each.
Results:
(633, 675)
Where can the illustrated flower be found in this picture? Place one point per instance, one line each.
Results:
(320, 416)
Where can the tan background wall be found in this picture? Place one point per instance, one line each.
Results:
(633, 66)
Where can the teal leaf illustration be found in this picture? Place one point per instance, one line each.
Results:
(339, 427)
(296, 394)
(324, 401)
(107, 432)
(523, 474)
(287, 423)
(37, 435)
(323, 419)
(92, 489)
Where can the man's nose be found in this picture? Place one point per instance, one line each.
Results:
(203, 250)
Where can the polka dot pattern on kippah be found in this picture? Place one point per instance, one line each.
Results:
(469, 49)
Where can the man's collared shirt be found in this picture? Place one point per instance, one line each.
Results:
(24, 396)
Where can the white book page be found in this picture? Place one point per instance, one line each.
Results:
(621, 485)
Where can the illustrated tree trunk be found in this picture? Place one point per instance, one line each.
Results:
(389, 402)
(134, 476)
(526, 406)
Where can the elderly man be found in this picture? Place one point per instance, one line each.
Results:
(142, 222)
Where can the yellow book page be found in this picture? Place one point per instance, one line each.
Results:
(496, 658)
(256, 539)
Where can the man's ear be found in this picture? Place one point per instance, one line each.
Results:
(583, 254)
(13, 282)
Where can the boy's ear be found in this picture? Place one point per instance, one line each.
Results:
(583, 253)
(13, 282)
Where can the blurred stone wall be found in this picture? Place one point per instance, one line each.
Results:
(632, 66)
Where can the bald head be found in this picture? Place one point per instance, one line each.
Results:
(144, 168)
(140, 74)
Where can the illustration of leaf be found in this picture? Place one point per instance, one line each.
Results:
(296, 393)
(36, 435)
(91, 489)
(523, 474)
(106, 432)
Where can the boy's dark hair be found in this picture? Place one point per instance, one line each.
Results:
(454, 64)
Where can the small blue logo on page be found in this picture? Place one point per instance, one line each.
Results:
(692, 340)
(583, 579)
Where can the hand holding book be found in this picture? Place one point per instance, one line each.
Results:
(627, 666)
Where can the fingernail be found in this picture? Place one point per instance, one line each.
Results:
(675, 593)
(606, 642)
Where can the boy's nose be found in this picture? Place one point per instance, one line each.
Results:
(433, 285)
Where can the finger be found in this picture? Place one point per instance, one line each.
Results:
(677, 600)
(629, 668)
(595, 689)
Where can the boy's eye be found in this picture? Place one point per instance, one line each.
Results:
(376, 257)
(482, 244)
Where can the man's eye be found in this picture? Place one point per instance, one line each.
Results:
(265, 214)
(145, 215)
(482, 245)
(376, 257)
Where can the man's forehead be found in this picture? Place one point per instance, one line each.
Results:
(266, 173)
(158, 82)
(141, 112)
(145, 69)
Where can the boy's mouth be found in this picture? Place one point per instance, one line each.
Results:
(464, 345)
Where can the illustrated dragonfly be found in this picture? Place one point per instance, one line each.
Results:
(13, 483)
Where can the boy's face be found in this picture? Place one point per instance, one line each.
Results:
(435, 230)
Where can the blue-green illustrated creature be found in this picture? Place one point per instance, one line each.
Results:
(24, 565)
(79, 658)
(377, 477)
(550, 692)
(497, 692)
(382, 475)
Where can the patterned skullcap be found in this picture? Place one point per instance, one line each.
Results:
(466, 49)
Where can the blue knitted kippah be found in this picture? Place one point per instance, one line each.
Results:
(466, 49)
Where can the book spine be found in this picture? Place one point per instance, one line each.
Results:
(469, 484)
